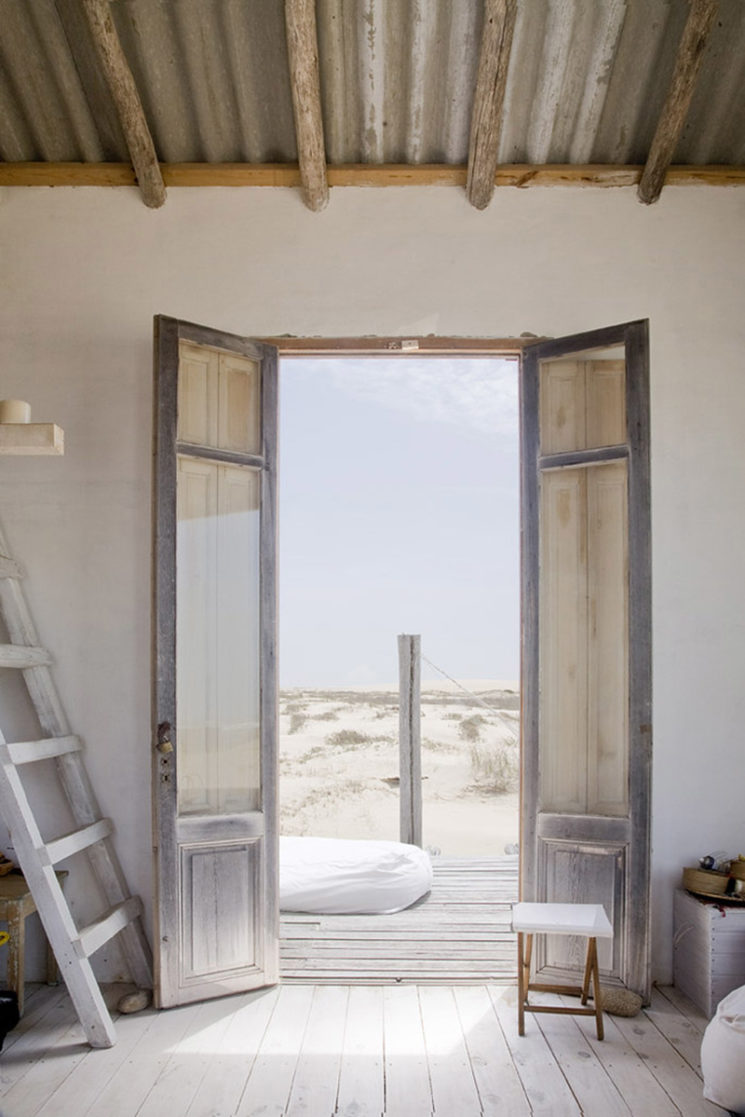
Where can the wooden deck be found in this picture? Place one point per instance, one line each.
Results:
(357, 1051)
(459, 933)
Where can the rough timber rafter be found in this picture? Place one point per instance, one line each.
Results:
(675, 110)
(486, 117)
(302, 49)
(127, 101)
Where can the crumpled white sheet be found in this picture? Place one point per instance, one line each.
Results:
(723, 1053)
(340, 876)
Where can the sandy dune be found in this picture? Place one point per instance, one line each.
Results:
(339, 765)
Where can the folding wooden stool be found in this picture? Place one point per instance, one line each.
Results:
(587, 920)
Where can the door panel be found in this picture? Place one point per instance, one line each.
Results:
(221, 932)
(215, 705)
(239, 386)
(582, 404)
(586, 874)
(586, 643)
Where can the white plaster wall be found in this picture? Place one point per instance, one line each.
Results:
(84, 270)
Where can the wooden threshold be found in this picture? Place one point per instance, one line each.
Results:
(459, 934)
(360, 174)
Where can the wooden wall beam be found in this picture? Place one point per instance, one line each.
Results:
(675, 110)
(305, 79)
(486, 115)
(126, 98)
(389, 174)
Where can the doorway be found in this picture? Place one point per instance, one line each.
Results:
(215, 424)
(399, 512)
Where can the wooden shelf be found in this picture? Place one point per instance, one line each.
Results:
(31, 438)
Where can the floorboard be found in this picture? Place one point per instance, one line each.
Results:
(356, 1051)
(361, 1078)
(459, 933)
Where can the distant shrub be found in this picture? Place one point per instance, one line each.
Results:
(348, 737)
(297, 721)
(496, 767)
(470, 728)
(315, 753)
(438, 746)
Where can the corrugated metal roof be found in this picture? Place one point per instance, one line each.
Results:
(586, 82)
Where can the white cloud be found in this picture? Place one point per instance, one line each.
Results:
(477, 393)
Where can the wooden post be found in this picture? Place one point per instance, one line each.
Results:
(410, 738)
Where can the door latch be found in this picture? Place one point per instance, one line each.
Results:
(164, 743)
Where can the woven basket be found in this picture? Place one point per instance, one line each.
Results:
(705, 882)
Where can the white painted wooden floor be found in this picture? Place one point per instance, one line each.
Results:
(323, 1050)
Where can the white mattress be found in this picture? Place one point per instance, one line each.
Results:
(339, 876)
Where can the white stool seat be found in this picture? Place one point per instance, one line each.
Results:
(562, 919)
(589, 920)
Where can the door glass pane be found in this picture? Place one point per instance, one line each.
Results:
(607, 639)
(582, 402)
(218, 637)
(219, 399)
(584, 643)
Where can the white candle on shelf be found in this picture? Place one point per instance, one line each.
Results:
(15, 411)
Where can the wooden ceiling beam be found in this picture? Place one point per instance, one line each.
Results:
(305, 79)
(677, 103)
(126, 98)
(486, 116)
(521, 175)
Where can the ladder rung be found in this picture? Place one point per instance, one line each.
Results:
(64, 847)
(26, 752)
(18, 655)
(96, 934)
(9, 568)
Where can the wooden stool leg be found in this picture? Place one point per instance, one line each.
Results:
(524, 956)
(528, 959)
(16, 955)
(596, 991)
(588, 971)
(521, 990)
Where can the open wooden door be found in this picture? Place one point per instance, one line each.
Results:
(214, 701)
(586, 640)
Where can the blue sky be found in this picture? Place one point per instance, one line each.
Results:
(399, 512)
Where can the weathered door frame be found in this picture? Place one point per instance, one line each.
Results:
(639, 526)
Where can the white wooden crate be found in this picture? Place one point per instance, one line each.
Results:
(708, 949)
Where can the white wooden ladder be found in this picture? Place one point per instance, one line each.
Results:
(37, 857)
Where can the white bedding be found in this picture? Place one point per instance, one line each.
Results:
(339, 876)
